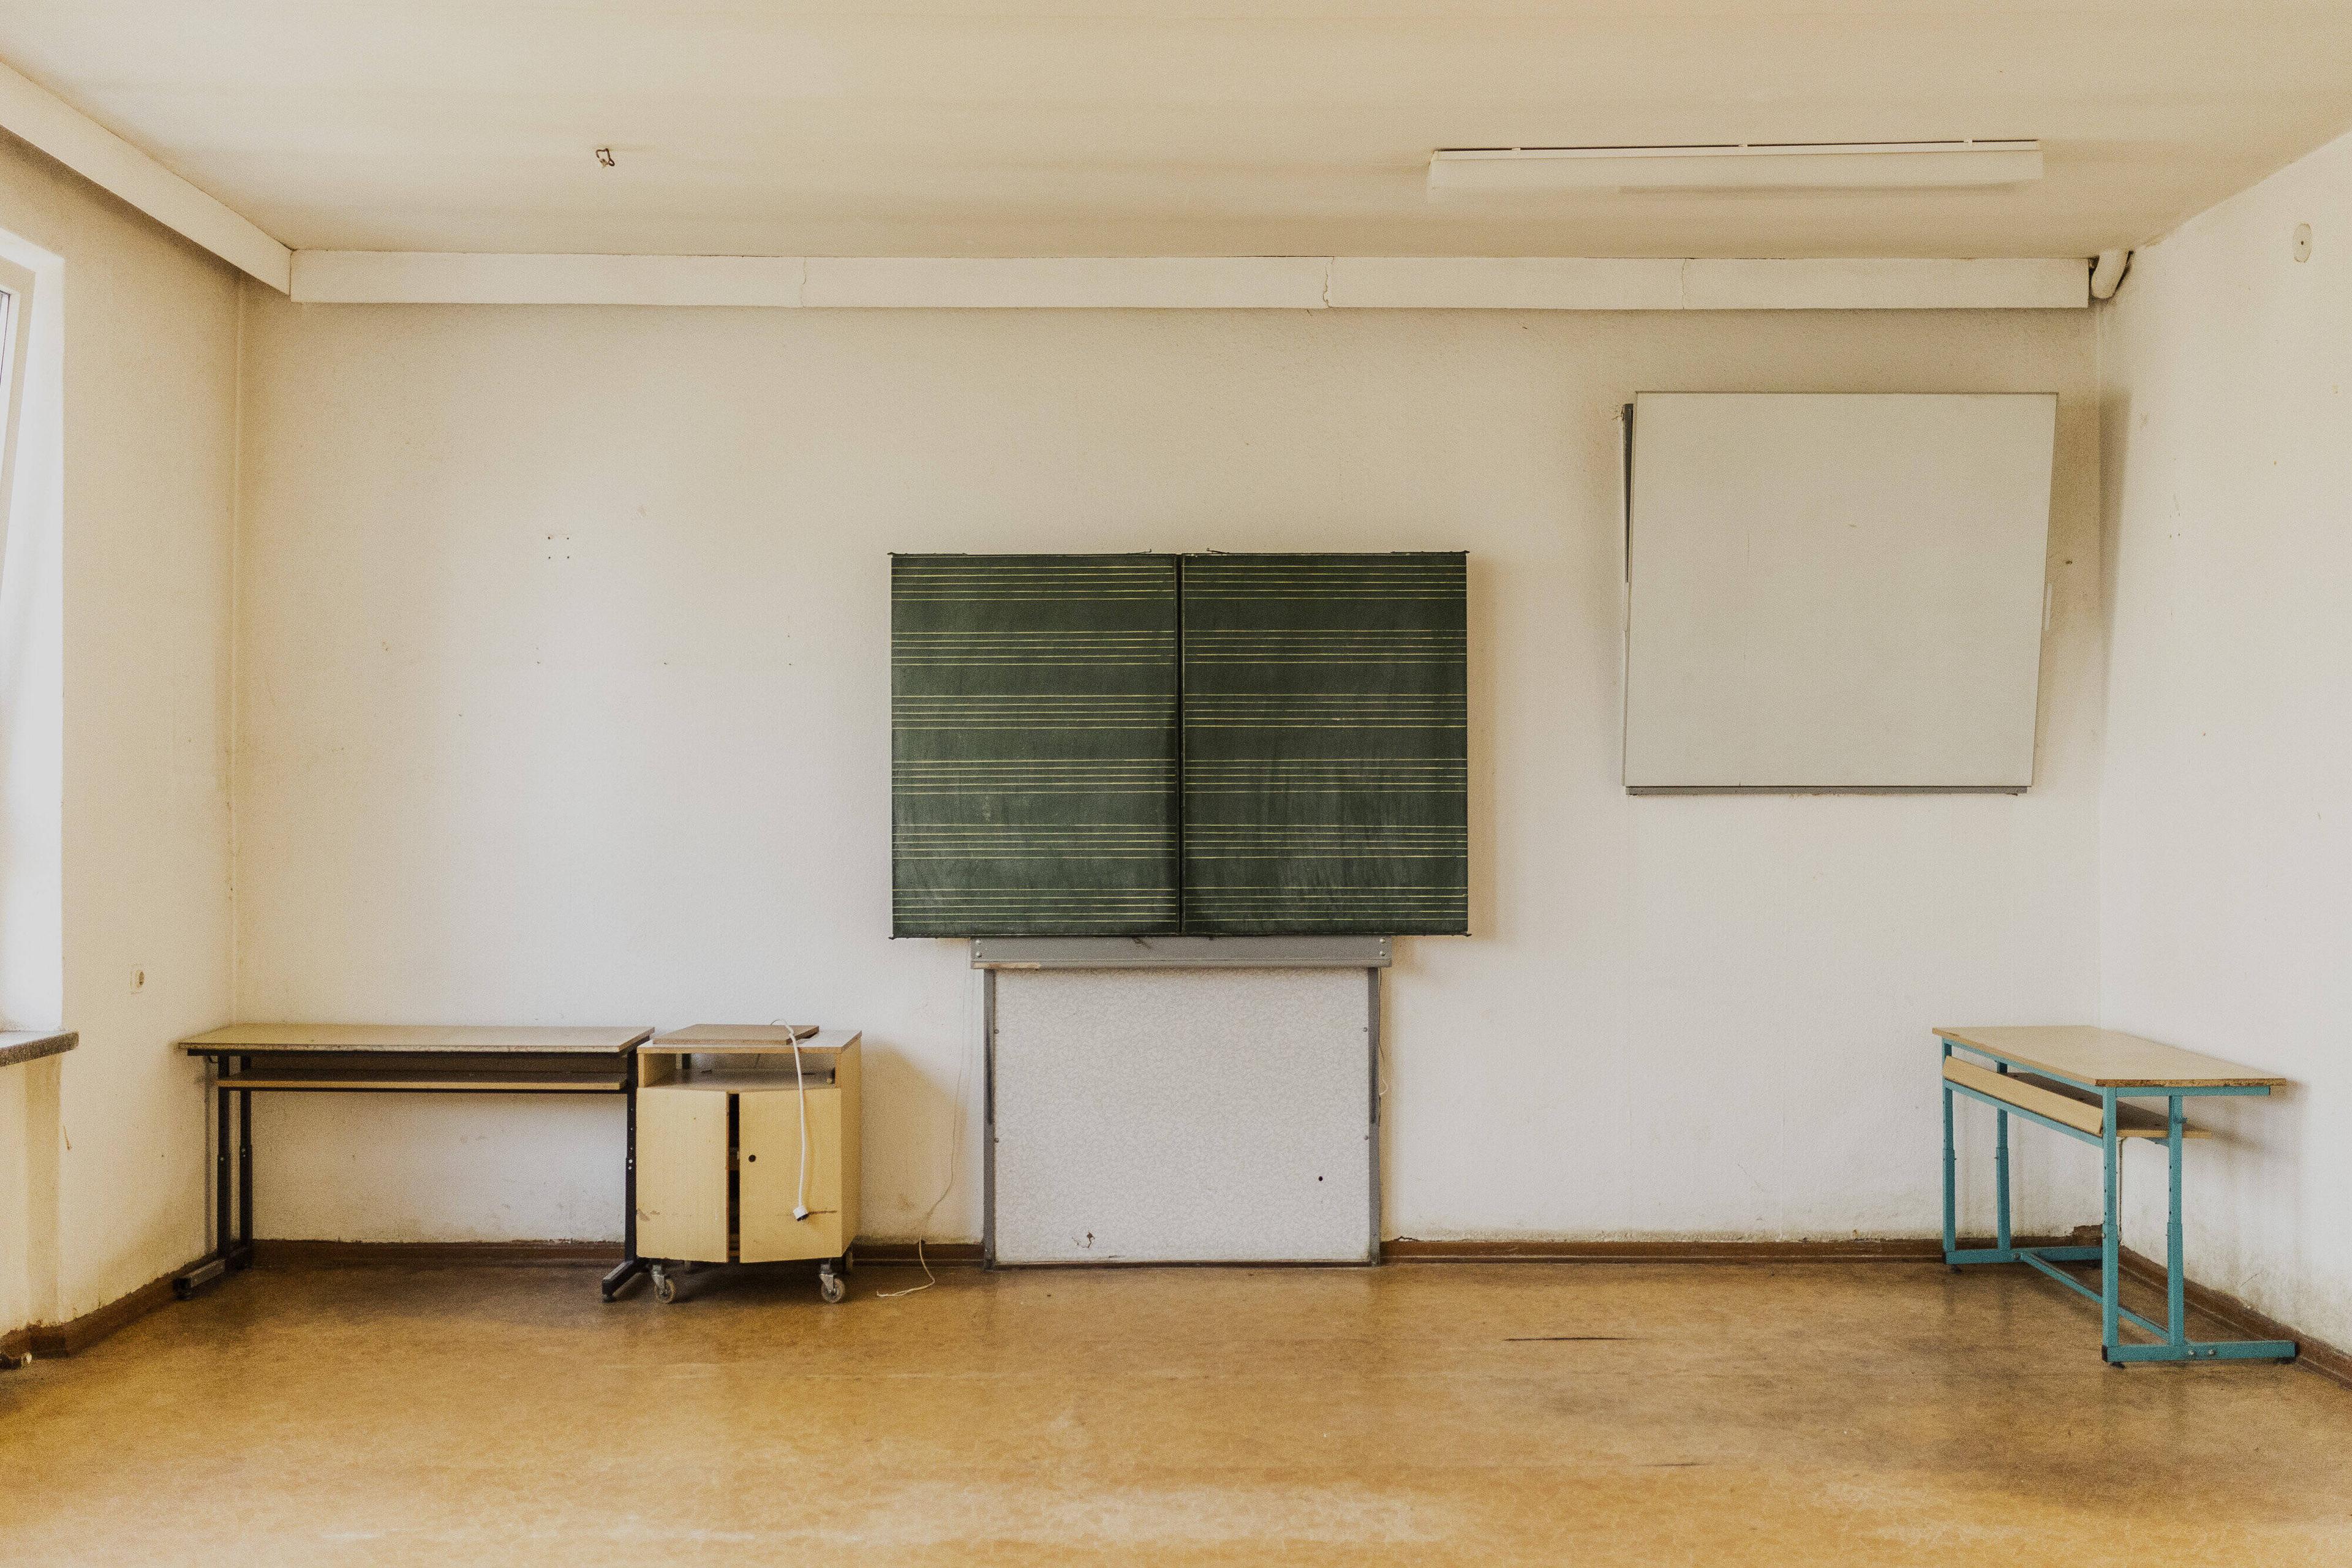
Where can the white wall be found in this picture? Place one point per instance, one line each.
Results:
(32, 792)
(562, 695)
(135, 793)
(2226, 814)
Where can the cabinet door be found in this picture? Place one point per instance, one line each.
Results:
(682, 1175)
(770, 1175)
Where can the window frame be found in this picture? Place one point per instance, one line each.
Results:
(16, 286)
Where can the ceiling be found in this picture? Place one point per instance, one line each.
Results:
(1172, 127)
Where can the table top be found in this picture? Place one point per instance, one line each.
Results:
(758, 1039)
(2108, 1058)
(473, 1040)
(31, 1045)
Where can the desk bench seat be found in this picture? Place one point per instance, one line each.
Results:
(2077, 1108)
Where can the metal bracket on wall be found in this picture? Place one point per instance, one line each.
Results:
(1181, 951)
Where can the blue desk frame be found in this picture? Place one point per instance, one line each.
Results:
(2173, 1343)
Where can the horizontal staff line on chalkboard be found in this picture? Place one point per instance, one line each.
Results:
(1009, 700)
(1290, 889)
(1158, 900)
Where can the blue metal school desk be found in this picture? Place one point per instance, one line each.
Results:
(2076, 1081)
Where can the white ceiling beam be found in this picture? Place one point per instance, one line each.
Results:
(423, 278)
(1192, 283)
(1888, 284)
(1504, 283)
(1103, 283)
(36, 115)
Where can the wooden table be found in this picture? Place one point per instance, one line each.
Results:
(398, 1058)
(2077, 1081)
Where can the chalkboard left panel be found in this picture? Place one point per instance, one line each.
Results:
(1033, 735)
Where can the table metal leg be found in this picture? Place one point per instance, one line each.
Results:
(242, 1253)
(216, 1262)
(2000, 1175)
(2176, 1282)
(223, 1237)
(2173, 1343)
(631, 1265)
(1951, 1176)
(2111, 1231)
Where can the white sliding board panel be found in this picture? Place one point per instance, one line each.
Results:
(1183, 1116)
(1835, 591)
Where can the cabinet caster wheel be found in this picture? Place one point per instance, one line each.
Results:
(829, 1284)
(849, 1262)
(665, 1287)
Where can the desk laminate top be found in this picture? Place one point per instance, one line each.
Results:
(751, 1040)
(2108, 1058)
(473, 1040)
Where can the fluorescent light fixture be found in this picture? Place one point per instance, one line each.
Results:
(1747, 167)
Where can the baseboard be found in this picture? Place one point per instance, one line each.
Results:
(1855, 1249)
(2317, 1354)
(1407, 1249)
(428, 1254)
(603, 1253)
(939, 1254)
(78, 1335)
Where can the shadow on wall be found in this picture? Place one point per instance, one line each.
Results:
(1479, 595)
(936, 1132)
(2115, 445)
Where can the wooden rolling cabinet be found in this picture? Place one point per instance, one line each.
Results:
(719, 1168)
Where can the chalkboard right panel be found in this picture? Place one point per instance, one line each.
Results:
(1325, 770)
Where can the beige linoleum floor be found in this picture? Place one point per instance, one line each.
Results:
(1583, 1414)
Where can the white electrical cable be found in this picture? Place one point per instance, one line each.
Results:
(955, 1161)
(800, 1193)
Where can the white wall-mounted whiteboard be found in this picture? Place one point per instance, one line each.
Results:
(1835, 591)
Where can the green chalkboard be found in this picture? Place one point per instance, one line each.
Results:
(1033, 745)
(1326, 762)
(1142, 745)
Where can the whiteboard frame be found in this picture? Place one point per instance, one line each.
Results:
(1374, 1225)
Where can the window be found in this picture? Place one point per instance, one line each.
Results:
(15, 331)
